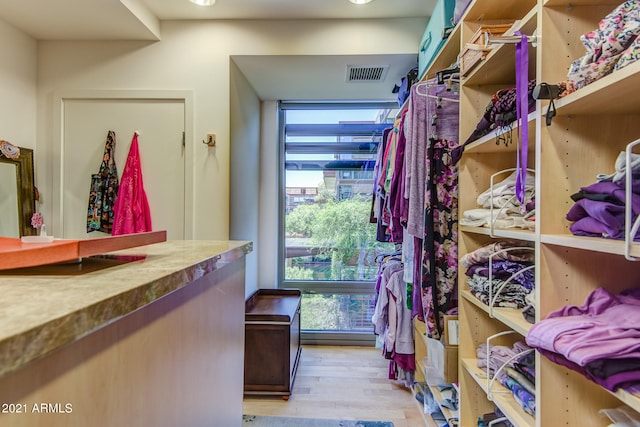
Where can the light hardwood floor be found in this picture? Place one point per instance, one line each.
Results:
(343, 383)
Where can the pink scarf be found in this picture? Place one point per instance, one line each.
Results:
(131, 209)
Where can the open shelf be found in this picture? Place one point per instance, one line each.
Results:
(597, 244)
(511, 317)
(609, 95)
(426, 419)
(421, 371)
(591, 127)
(449, 414)
(502, 397)
(517, 234)
(500, 63)
(628, 399)
(488, 144)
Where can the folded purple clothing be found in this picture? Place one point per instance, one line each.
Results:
(605, 327)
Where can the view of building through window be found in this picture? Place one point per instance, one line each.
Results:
(330, 245)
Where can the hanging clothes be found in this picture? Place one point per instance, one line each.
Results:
(438, 267)
(392, 320)
(377, 199)
(131, 210)
(104, 189)
(417, 185)
(440, 244)
(415, 152)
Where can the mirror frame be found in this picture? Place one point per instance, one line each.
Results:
(26, 189)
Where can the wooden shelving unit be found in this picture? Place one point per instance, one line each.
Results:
(584, 139)
(591, 127)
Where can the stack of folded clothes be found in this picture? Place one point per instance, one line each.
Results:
(507, 211)
(512, 273)
(504, 357)
(610, 47)
(599, 209)
(600, 340)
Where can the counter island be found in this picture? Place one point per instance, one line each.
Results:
(147, 336)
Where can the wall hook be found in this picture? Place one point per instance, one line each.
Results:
(211, 140)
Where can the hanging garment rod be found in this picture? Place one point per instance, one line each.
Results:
(442, 98)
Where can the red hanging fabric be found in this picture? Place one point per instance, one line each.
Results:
(131, 212)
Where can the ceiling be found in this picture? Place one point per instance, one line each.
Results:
(140, 20)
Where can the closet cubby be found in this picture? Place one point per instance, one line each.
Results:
(499, 64)
(577, 148)
(567, 276)
(475, 328)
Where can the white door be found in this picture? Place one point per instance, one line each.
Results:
(160, 124)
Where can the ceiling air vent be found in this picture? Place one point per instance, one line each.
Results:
(366, 73)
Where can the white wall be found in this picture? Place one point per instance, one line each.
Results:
(244, 170)
(195, 56)
(17, 87)
(268, 240)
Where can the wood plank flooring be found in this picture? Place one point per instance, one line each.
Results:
(343, 383)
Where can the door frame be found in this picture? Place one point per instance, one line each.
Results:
(59, 99)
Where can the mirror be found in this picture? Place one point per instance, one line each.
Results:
(17, 203)
(10, 223)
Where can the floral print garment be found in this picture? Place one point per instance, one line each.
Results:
(104, 189)
(482, 254)
(610, 47)
(440, 245)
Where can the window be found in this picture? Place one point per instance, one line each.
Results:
(328, 243)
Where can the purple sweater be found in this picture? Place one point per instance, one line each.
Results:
(605, 327)
(601, 218)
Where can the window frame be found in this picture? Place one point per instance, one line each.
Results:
(331, 287)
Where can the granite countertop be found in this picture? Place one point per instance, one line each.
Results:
(44, 308)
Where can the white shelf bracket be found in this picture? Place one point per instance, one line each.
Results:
(492, 297)
(491, 378)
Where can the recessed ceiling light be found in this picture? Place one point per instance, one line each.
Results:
(360, 1)
(203, 2)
